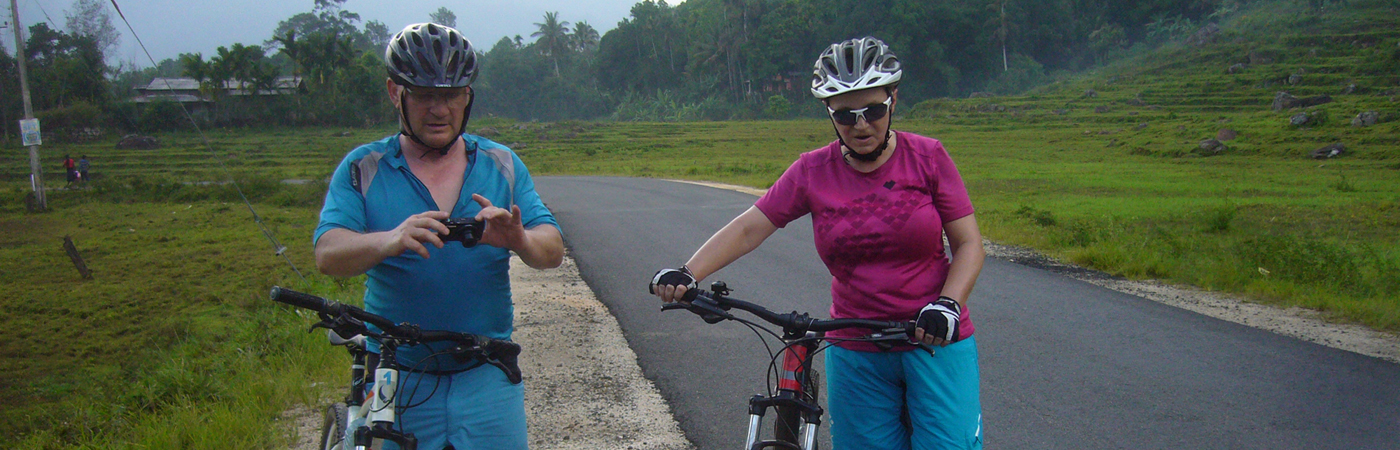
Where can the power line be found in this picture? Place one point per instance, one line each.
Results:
(46, 13)
(280, 249)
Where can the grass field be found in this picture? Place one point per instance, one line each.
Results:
(173, 343)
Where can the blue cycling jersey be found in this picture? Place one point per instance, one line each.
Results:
(457, 288)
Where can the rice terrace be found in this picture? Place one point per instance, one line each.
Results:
(1249, 148)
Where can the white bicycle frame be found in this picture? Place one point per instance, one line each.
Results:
(377, 406)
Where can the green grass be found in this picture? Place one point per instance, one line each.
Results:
(172, 344)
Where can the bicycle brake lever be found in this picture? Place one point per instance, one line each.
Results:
(342, 325)
(503, 355)
(511, 370)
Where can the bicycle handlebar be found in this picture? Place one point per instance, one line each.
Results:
(334, 308)
(714, 307)
(497, 352)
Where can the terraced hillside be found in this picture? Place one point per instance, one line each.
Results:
(1176, 164)
(1165, 102)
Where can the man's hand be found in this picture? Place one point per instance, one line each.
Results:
(503, 228)
(938, 322)
(414, 232)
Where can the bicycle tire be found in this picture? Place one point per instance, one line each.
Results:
(333, 427)
(786, 427)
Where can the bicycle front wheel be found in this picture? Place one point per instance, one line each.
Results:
(333, 428)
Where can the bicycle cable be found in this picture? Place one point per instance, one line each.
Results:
(278, 248)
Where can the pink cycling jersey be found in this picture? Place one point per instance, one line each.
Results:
(879, 233)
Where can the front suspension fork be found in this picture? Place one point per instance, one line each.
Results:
(811, 415)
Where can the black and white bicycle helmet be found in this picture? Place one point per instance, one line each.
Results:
(854, 65)
(430, 55)
(435, 56)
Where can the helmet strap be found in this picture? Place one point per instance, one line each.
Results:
(867, 157)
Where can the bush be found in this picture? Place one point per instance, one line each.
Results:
(123, 116)
(1023, 73)
(69, 119)
(777, 107)
(163, 116)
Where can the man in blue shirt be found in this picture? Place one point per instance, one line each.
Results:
(382, 217)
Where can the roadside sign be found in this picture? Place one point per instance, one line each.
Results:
(29, 128)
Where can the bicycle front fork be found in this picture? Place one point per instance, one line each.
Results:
(810, 414)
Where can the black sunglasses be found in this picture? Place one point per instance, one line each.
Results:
(871, 113)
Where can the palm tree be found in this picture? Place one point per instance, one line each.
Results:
(585, 38)
(554, 35)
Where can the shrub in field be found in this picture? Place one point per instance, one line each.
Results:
(1037, 216)
(69, 120)
(1218, 219)
(163, 116)
(1304, 260)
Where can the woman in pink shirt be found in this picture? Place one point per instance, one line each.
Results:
(880, 202)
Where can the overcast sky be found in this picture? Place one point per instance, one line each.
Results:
(171, 27)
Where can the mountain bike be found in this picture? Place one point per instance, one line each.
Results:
(351, 420)
(798, 413)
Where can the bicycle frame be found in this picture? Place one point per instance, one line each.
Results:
(802, 338)
(364, 423)
(377, 420)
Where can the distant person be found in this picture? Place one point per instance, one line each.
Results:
(83, 166)
(382, 217)
(68, 166)
(880, 203)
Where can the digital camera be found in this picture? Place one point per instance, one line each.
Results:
(466, 231)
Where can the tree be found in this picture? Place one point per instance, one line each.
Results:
(553, 38)
(90, 18)
(378, 34)
(444, 17)
(72, 65)
(584, 38)
(326, 18)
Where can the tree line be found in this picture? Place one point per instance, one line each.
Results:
(698, 60)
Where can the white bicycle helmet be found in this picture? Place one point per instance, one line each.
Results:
(854, 65)
(430, 55)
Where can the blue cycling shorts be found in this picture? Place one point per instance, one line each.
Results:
(870, 393)
(473, 410)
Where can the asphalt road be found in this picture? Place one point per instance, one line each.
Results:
(1065, 364)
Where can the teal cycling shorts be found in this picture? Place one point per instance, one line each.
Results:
(473, 410)
(905, 400)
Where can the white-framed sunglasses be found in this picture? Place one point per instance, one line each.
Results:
(871, 113)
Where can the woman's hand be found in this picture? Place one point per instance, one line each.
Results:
(671, 284)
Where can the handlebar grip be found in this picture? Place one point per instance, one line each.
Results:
(298, 299)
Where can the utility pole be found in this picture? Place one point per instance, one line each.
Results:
(1004, 66)
(36, 173)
